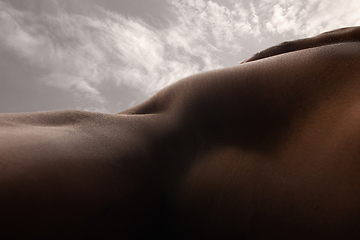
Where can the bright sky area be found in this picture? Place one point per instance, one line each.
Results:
(109, 55)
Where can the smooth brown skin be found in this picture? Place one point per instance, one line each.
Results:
(342, 35)
(269, 149)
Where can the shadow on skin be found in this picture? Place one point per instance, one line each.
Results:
(264, 150)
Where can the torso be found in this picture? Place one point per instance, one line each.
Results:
(285, 164)
(266, 150)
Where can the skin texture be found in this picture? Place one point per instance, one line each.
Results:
(264, 150)
(342, 35)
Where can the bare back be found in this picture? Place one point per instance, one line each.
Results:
(269, 149)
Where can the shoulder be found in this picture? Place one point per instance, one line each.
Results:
(262, 95)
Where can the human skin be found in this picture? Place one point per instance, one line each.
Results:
(264, 150)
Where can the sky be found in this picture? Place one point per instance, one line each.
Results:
(109, 55)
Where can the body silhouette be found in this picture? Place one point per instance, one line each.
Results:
(269, 149)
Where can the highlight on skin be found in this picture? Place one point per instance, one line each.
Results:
(268, 149)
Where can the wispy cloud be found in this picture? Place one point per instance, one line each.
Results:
(239, 28)
(310, 17)
(82, 50)
(59, 44)
(258, 21)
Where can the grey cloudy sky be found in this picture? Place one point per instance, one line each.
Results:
(109, 55)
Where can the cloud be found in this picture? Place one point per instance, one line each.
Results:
(56, 44)
(210, 22)
(245, 21)
(83, 49)
(300, 18)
